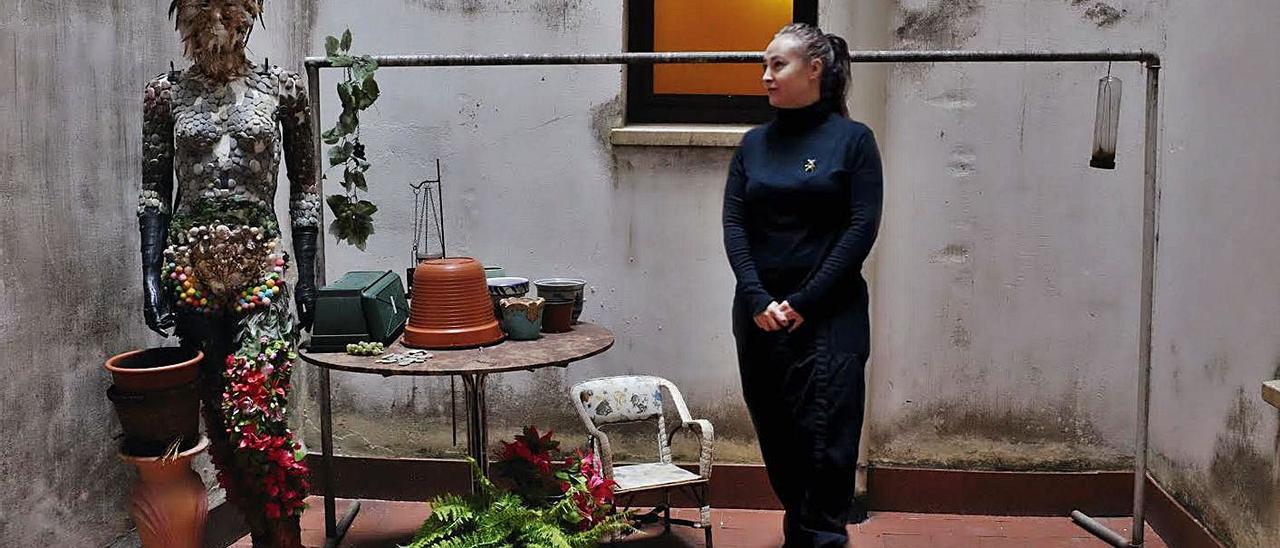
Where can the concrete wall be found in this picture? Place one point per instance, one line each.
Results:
(531, 183)
(1215, 442)
(1005, 282)
(71, 79)
(1008, 273)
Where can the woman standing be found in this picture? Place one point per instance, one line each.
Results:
(801, 211)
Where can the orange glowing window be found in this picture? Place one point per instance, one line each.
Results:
(723, 93)
(714, 25)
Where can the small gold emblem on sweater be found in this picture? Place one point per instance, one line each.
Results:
(810, 165)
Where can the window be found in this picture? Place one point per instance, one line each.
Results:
(707, 93)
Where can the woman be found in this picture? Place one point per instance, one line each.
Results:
(801, 211)
(212, 257)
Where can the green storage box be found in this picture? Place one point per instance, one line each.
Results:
(360, 306)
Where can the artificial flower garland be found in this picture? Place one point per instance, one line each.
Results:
(254, 409)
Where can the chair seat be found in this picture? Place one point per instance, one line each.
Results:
(640, 477)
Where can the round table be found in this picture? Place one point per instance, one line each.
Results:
(472, 364)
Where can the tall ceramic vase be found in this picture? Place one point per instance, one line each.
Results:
(169, 503)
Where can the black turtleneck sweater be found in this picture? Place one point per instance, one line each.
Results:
(801, 211)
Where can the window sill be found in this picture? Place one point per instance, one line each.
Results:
(678, 135)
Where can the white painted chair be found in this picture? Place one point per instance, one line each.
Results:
(631, 399)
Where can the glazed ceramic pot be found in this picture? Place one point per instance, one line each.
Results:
(503, 287)
(169, 503)
(451, 306)
(522, 317)
(561, 289)
(155, 398)
(557, 316)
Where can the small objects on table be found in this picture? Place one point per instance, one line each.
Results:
(365, 348)
(406, 358)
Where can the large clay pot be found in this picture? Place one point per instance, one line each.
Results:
(451, 307)
(153, 369)
(156, 400)
(169, 503)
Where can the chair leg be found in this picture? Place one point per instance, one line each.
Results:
(704, 512)
(666, 511)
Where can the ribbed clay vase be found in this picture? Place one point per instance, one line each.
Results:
(451, 306)
(169, 503)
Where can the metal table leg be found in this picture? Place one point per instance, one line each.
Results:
(333, 530)
(477, 428)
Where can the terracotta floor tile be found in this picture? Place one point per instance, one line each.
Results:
(900, 540)
(386, 524)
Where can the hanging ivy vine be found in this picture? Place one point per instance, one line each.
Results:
(352, 216)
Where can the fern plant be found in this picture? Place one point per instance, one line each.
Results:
(497, 518)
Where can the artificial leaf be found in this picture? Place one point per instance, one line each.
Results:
(341, 60)
(339, 154)
(349, 121)
(363, 68)
(354, 178)
(345, 94)
(369, 93)
(365, 207)
(332, 136)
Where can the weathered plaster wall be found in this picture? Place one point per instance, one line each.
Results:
(1008, 270)
(1005, 280)
(1215, 442)
(531, 183)
(71, 79)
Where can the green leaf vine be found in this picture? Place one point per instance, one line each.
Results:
(352, 216)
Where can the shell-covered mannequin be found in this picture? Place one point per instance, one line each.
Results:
(214, 263)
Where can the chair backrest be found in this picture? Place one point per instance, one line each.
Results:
(621, 399)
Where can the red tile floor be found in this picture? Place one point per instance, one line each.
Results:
(386, 524)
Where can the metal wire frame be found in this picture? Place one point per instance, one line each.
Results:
(1150, 207)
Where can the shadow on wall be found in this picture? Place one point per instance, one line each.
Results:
(1237, 495)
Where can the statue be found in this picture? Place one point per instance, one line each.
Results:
(214, 264)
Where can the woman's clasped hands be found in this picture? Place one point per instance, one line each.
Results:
(778, 317)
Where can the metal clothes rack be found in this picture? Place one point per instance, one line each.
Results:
(1150, 204)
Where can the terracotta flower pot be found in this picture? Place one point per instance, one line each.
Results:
(451, 307)
(152, 369)
(557, 316)
(155, 399)
(169, 502)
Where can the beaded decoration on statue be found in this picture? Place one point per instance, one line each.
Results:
(215, 268)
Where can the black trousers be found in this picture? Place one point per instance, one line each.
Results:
(804, 391)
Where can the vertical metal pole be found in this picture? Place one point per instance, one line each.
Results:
(477, 431)
(333, 529)
(1150, 210)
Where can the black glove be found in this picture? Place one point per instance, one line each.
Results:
(156, 308)
(304, 292)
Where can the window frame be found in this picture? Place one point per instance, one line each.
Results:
(644, 106)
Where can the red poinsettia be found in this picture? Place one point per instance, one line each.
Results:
(253, 408)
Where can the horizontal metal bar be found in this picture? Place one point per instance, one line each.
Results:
(641, 58)
(1098, 530)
